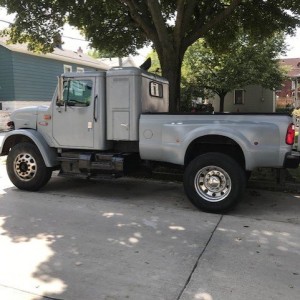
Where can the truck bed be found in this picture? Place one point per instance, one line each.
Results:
(260, 136)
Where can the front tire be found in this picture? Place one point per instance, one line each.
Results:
(214, 182)
(26, 168)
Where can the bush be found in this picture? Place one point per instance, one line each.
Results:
(296, 112)
(287, 110)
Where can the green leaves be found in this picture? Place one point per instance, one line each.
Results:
(37, 23)
(245, 62)
(120, 27)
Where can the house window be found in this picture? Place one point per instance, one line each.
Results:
(239, 96)
(67, 69)
(80, 70)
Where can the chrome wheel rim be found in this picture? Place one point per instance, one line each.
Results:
(25, 166)
(212, 183)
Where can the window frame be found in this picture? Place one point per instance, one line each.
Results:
(68, 69)
(239, 102)
(160, 89)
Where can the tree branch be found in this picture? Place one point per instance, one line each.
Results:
(190, 7)
(159, 23)
(179, 22)
(219, 92)
(200, 29)
(140, 20)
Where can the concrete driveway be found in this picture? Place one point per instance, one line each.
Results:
(136, 239)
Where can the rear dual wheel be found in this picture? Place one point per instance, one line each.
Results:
(214, 182)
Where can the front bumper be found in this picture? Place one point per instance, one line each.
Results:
(292, 160)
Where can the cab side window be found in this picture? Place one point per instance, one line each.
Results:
(77, 92)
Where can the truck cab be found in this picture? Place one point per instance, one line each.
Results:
(93, 110)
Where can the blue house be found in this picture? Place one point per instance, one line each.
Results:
(28, 78)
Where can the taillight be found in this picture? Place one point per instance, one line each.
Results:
(290, 134)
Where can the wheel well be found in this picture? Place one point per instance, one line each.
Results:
(215, 143)
(13, 140)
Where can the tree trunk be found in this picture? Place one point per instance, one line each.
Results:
(222, 100)
(171, 69)
(173, 75)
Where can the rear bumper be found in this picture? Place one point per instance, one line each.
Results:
(292, 160)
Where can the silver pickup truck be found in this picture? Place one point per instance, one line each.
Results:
(108, 124)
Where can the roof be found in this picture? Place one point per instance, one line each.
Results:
(294, 64)
(58, 54)
(115, 62)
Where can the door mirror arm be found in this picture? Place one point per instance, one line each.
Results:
(68, 91)
(60, 84)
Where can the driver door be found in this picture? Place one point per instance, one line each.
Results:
(73, 116)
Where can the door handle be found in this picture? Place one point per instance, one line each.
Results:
(94, 112)
(124, 125)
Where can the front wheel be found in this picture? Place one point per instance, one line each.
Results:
(214, 182)
(26, 168)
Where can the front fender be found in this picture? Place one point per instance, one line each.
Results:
(22, 135)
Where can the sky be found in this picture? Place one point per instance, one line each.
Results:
(293, 43)
(73, 39)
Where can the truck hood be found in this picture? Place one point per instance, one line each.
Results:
(25, 117)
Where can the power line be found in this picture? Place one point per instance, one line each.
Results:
(73, 38)
(5, 21)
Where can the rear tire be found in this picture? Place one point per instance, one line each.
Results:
(26, 168)
(214, 182)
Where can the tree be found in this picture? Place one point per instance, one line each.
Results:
(122, 26)
(245, 62)
(155, 64)
(99, 54)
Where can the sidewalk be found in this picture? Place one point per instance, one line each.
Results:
(4, 118)
(143, 240)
